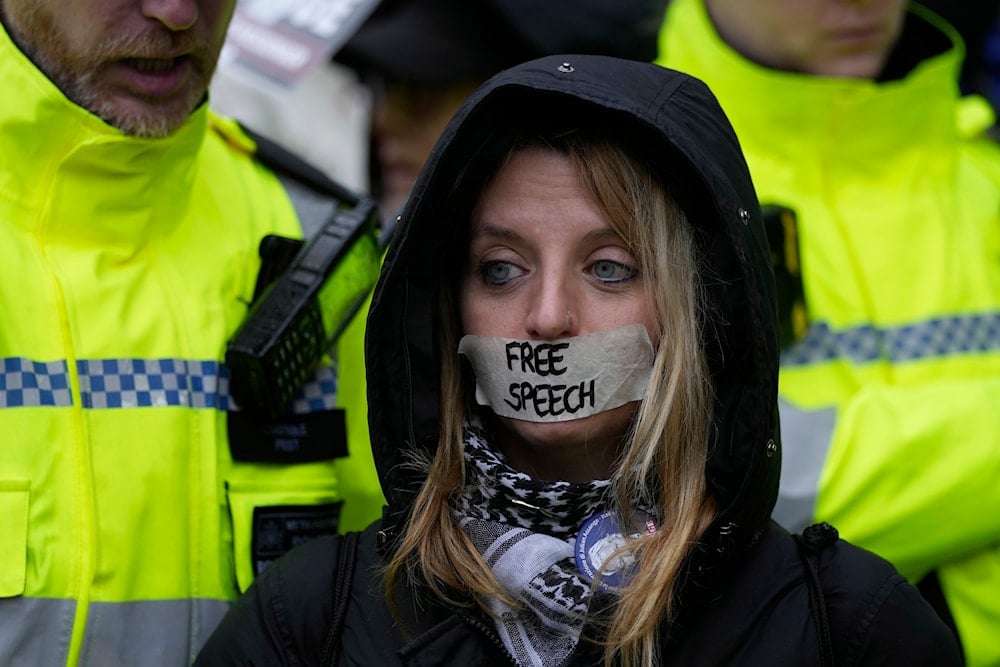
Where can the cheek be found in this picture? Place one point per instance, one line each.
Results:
(635, 310)
(216, 16)
(469, 305)
(483, 313)
(652, 328)
(654, 336)
(217, 13)
(89, 25)
(51, 28)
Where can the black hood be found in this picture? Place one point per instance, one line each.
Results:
(673, 121)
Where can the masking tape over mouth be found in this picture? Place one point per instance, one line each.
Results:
(560, 380)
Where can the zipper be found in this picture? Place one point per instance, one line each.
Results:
(490, 634)
(494, 639)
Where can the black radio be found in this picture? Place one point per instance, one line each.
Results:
(298, 316)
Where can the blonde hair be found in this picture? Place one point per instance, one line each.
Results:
(664, 465)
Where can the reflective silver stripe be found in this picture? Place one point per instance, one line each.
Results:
(939, 337)
(142, 383)
(805, 442)
(156, 633)
(35, 631)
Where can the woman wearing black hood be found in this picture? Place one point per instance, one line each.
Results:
(572, 365)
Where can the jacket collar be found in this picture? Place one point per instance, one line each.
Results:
(798, 112)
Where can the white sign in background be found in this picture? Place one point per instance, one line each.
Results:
(283, 40)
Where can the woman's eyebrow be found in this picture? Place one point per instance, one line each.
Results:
(490, 230)
(493, 231)
(602, 234)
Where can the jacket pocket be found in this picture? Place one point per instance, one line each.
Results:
(270, 519)
(14, 495)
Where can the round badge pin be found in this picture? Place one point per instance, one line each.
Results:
(599, 537)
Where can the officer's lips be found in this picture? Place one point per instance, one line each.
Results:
(857, 35)
(156, 77)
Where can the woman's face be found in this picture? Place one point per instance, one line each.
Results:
(544, 264)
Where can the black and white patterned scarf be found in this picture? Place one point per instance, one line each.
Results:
(525, 529)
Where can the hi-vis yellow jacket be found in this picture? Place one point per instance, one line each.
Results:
(125, 266)
(891, 395)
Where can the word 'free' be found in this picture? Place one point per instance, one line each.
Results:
(560, 380)
(538, 358)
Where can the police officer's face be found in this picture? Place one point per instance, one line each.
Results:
(141, 65)
(846, 38)
(544, 263)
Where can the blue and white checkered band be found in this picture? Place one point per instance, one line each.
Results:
(939, 337)
(24, 382)
(141, 383)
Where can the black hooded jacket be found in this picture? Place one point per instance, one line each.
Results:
(746, 597)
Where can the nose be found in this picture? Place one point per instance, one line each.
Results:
(553, 312)
(176, 15)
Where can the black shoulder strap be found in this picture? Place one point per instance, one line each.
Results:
(314, 195)
(346, 558)
(812, 541)
(281, 160)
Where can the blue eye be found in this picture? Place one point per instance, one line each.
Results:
(497, 273)
(608, 271)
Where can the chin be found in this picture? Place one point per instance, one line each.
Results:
(148, 120)
(595, 436)
(859, 66)
(140, 117)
